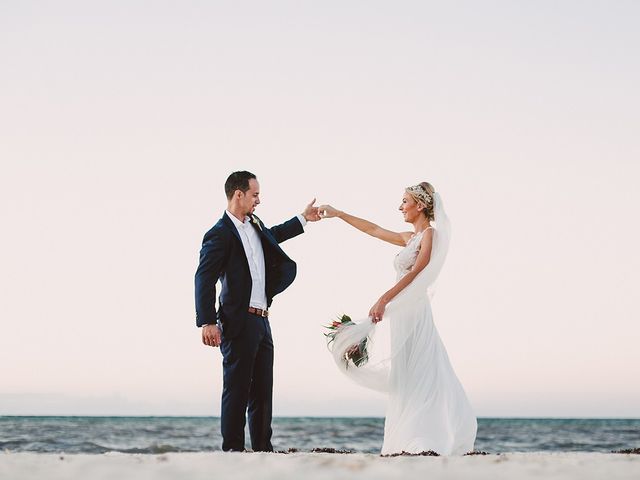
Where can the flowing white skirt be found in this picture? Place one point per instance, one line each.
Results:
(428, 408)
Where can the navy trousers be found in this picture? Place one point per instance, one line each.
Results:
(248, 385)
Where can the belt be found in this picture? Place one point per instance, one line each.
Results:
(258, 311)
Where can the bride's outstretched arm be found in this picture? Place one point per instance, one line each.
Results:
(424, 255)
(370, 228)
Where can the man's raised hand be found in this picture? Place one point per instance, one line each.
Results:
(311, 213)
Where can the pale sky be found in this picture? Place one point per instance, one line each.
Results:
(120, 121)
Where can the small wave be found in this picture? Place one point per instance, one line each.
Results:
(86, 447)
(154, 449)
(91, 447)
(13, 445)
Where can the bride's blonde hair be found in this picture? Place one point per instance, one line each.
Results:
(422, 193)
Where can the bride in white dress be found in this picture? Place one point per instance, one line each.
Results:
(428, 408)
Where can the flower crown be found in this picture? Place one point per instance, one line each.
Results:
(420, 194)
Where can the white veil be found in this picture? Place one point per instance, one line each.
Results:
(404, 310)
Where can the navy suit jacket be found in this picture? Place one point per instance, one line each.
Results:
(222, 257)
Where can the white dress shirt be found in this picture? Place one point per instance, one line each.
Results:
(255, 257)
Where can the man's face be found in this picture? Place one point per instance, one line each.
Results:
(251, 198)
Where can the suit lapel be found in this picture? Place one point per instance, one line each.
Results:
(257, 225)
(229, 223)
(263, 234)
(269, 244)
(261, 231)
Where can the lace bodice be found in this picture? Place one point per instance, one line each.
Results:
(405, 260)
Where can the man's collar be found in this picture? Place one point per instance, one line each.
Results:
(235, 220)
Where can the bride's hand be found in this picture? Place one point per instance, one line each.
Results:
(377, 311)
(327, 211)
(353, 349)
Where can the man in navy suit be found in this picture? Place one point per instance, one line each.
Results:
(246, 257)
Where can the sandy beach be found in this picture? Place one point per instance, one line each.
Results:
(312, 466)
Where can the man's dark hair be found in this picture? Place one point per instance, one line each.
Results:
(237, 181)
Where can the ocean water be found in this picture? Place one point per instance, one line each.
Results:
(198, 434)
